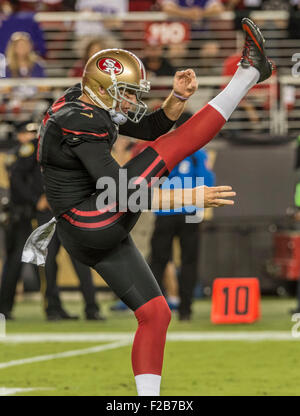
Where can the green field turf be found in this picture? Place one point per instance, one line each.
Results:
(190, 368)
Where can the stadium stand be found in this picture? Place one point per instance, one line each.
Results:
(205, 51)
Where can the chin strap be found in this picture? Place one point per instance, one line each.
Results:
(116, 117)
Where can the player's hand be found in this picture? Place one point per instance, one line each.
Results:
(185, 83)
(215, 196)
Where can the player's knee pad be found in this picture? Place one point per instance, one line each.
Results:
(155, 312)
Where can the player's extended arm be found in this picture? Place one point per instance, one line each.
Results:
(201, 197)
(149, 128)
(184, 85)
(160, 122)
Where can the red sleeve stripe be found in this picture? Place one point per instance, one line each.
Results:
(78, 133)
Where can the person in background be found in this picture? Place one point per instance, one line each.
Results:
(101, 29)
(197, 13)
(155, 63)
(169, 224)
(294, 19)
(194, 10)
(93, 46)
(22, 61)
(22, 101)
(23, 201)
(13, 21)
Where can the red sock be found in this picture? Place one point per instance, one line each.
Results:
(149, 342)
(195, 133)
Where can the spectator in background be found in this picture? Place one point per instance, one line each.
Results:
(194, 10)
(101, 29)
(93, 46)
(23, 200)
(294, 20)
(155, 62)
(243, 8)
(12, 21)
(22, 61)
(197, 12)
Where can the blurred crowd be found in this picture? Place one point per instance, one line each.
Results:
(138, 5)
(31, 48)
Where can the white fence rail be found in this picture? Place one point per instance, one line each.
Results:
(33, 96)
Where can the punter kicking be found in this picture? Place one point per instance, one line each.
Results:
(75, 144)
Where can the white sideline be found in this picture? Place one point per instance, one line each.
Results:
(123, 339)
(128, 336)
(64, 354)
(9, 391)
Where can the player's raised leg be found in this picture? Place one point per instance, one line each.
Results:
(254, 67)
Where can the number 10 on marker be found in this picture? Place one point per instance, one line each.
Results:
(235, 300)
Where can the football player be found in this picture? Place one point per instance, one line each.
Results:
(76, 138)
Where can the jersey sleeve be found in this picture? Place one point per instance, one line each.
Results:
(149, 128)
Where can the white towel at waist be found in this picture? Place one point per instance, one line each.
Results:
(35, 249)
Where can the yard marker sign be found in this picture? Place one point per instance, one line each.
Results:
(235, 300)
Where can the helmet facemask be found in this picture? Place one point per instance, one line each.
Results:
(117, 92)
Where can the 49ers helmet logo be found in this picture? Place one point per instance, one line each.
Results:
(110, 64)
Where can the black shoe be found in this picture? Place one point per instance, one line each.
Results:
(254, 52)
(95, 316)
(61, 315)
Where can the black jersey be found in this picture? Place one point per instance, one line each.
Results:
(75, 145)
